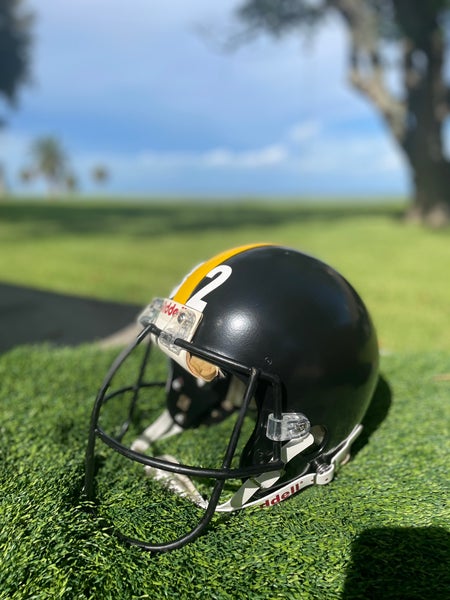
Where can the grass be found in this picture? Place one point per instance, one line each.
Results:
(132, 252)
(316, 545)
(380, 530)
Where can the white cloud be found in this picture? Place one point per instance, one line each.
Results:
(216, 158)
(304, 131)
(251, 159)
(352, 156)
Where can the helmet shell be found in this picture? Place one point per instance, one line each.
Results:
(287, 313)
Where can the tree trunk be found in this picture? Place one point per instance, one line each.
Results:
(422, 139)
(415, 120)
(431, 198)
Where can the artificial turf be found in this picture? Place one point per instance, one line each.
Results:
(379, 530)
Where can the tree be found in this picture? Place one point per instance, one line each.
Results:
(415, 117)
(71, 183)
(100, 174)
(15, 46)
(49, 160)
(3, 183)
(26, 175)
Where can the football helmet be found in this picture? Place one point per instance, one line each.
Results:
(270, 335)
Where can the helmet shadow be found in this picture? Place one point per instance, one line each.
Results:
(399, 563)
(376, 413)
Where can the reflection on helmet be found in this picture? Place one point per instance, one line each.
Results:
(267, 340)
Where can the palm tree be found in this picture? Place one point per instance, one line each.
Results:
(100, 174)
(71, 183)
(50, 161)
(26, 175)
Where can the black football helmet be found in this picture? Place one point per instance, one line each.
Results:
(265, 333)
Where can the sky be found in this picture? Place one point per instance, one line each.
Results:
(148, 89)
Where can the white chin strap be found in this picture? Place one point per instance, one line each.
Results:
(162, 428)
(182, 485)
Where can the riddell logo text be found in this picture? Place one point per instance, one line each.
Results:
(280, 497)
(170, 309)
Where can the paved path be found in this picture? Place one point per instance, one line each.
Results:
(29, 316)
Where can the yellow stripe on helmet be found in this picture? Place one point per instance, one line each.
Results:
(183, 293)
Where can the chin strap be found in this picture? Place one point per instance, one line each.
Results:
(162, 428)
(241, 499)
(324, 473)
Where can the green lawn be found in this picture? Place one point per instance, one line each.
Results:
(134, 252)
(380, 530)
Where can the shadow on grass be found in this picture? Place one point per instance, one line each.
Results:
(400, 564)
(43, 218)
(30, 316)
(375, 415)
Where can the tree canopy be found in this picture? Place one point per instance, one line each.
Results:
(415, 115)
(15, 47)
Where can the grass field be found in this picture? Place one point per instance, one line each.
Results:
(379, 531)
(134, 252)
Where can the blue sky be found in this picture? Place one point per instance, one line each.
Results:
(144, 88)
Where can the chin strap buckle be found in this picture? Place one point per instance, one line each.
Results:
(325, 472)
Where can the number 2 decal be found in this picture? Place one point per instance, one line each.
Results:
(222, 272)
